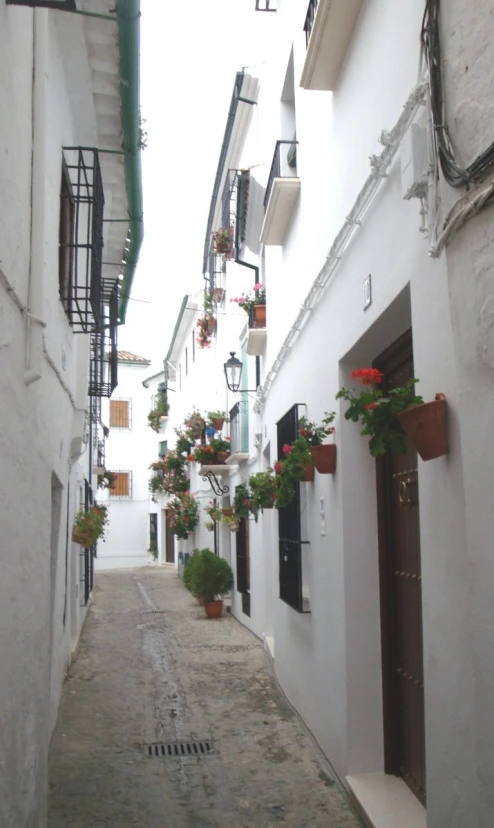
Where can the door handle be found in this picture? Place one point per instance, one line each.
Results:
(404, 495)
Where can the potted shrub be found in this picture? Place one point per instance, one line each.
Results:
(221, 448)
(223, 241)
(183, 515)
(254, 301)
(263, 489)
(217, 419)
(90, 525)
(211, 579)
(323, 454)
(194, 426)
(296, 467)
(385, 414)
(159, 410)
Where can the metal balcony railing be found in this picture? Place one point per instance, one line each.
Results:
(266, 5)
(309, 19)
(104, 359)
(239, 428)
(284, 165)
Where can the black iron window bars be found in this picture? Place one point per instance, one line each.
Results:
(81, 238)
(266, 5)
(234, 203)
(284, 157)
(103, 364)
(309, 19)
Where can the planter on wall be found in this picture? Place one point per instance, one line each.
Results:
(234, 526)
(259, 316)
(426, 426)
(227, 511)
(324, 458)
(82, 538)
(308, 473)
(218, 423)
(211, 325)
(221, 456)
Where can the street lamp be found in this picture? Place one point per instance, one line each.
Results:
(233, 373)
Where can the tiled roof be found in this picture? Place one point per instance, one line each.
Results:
(126, 356)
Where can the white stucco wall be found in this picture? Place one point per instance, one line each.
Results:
(133, 449)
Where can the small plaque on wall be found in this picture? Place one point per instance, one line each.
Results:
(367, 293)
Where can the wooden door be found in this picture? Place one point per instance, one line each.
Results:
(401, 597)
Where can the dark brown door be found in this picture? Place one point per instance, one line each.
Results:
(170, 541)
(401, 597)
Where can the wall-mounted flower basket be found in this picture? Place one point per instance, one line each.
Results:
(260, 316)
(324, 457)
(84, 539)
(218, 294)
(221, 457)
(308, 473)
(426, 426)
(218, 423)
(227, 511)
(211, 325)
(234, 526)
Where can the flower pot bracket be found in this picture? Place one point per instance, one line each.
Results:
(209, 475)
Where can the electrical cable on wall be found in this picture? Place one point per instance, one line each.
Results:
(454, 174)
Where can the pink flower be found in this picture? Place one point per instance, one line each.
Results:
(287, 449)
(258, 286)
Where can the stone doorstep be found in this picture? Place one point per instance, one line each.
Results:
(385, 801)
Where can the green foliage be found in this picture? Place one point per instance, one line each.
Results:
(153, 548)
(183, 514)
(314, 433)
(90, 526)
(194, 425)
(214, 512)
(263, 489)
(160, 409)
(211, 577)
(376, 410)
(291, 470)
(242, 503)
(216, 415)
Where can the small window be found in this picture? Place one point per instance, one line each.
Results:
(66, 241)
(120, 414)
(163, 448)
(122, 485)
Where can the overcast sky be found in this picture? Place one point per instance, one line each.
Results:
(190, 53)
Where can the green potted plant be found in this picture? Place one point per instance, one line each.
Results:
(323, 454)
(183, 513)
(106, 480)
(194, 426)
(214, 512)
(242, 502)
(297, 466)
(263, 489)
(90, 525)
(221, 448)
(217, 419)
(184, 443)
(223, 241)
(232, 522)
(255, 301)
(384, 414)
(160, 409)
(204, 454)
(211, 579)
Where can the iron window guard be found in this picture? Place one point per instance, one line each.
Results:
(276, 167)
(104, 358)
(239, 418)
(85, 240)
(266, 5)
(309, 20)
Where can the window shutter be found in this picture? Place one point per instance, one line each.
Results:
(119, 414)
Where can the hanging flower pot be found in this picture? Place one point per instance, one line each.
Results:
(308, 473)
(324, 457)
(259, 316)
(211, 325)
(426, 426)
(218, 423)
(227, 511)
(218, 294)
(81, 537)
(234, 526)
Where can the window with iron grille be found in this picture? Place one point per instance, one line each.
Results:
(266, 5)
(234, 204)
(293, 551)
(103, 365)
(81, 238)
(121, 413)
(122, 484)
(243, 565)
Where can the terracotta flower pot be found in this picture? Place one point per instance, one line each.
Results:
(259, 316)
(426, 426)
(228, 511)
(218, 294)
(214, 609)
(221, 456)
(211, 325)
(82, 538)
(324, 458)
(218, 423)
(234, 526)
(308, 473)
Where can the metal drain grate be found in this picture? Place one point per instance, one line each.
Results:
(177, 750)
(152, 612)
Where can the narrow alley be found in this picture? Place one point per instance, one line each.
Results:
(151, 669)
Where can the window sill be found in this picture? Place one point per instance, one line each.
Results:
(386, 801)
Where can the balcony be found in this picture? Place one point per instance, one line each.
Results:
(239, 434)
(282, 193)
(328, 28)
(256, 339)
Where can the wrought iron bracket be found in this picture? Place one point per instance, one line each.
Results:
(215, 484)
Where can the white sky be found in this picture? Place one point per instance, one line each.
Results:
(190, 52)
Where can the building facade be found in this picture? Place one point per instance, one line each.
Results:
(68, 185)
(373, 244)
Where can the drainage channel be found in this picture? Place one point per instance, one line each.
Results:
(178, 750)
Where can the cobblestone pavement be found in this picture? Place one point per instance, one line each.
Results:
(173, 676)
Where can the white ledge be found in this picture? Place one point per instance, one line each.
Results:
(237, 458)
(386, 801)
(280, 209)
(256, 341)
(330, 37)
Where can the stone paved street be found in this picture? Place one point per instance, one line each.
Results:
(172, 676)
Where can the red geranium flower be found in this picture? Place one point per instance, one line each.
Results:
(287, 449)
(370, 406)
(278, 467)
(368, 376)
